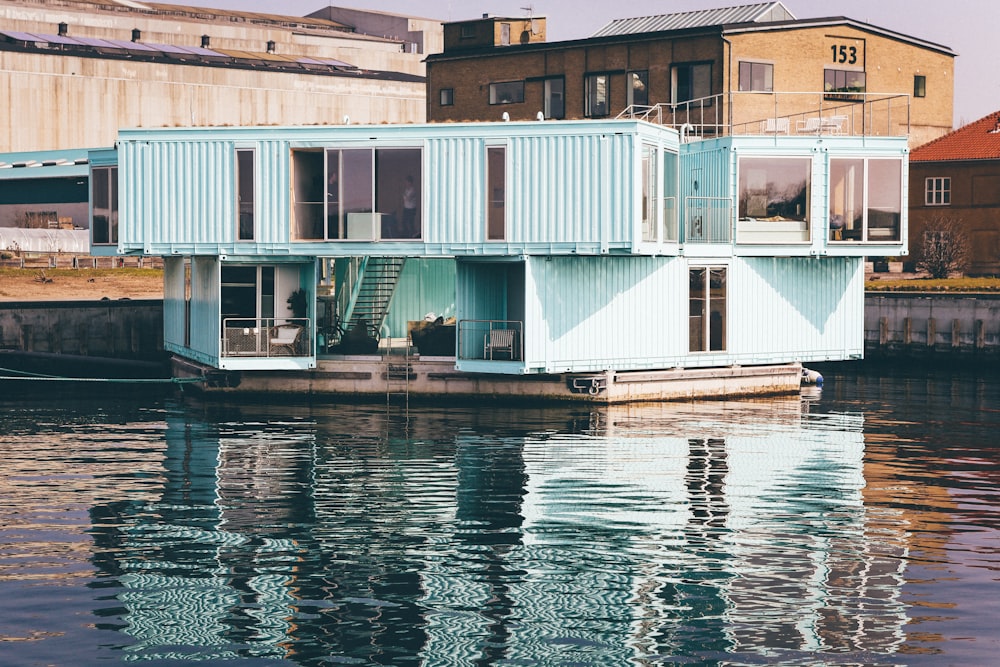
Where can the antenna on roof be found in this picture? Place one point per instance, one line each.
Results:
(530, 9)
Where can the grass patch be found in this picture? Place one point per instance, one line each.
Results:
(933, 285)
(124, 272)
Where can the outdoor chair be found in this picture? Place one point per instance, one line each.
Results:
(284, 340)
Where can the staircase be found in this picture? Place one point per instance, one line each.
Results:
(372, 293)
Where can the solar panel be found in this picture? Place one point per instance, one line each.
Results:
(56, 39)
(19, 36)
(98, 43)
(130, 46)
(325, 61)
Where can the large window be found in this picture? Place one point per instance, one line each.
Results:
(104, 200)
(245, 194)
(840, 83)
(496, 193)
(507, 92)
(866, 199)
(691, 81)
(756, 77)
(555, 100)
(638, 88)
(650, 193)
(707, 309)
(774, 189)
(356, 194)
(937, 191)
(598, 91)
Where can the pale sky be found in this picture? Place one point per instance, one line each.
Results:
(967, 27)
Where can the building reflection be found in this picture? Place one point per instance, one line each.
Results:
(301, 533)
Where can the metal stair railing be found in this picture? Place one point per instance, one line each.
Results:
(372, 293)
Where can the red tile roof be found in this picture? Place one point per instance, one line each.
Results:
(979, 140)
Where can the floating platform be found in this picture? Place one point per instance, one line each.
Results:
(398, 377)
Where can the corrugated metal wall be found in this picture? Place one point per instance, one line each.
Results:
(592, 313)
(573, 185)
(796, 308)
(173, 301)
(206, 329)
(425, 286)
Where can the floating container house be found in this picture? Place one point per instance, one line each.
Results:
(597, 260)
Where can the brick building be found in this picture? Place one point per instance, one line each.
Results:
(957, 177)
(712, 68)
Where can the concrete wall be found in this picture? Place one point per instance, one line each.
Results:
(120, 329)
(928, 326)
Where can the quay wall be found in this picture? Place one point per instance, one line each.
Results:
(121, 329)
(923, 326)
(932, 326)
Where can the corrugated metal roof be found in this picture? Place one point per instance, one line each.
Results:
(979, 140)
(75, 241)
(763, 12)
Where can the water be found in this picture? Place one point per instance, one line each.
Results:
(858, 525)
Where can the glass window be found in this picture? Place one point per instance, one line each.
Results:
(691, 82)
(555, 102)
(245, 193)
(598, 95)
(756, 77)
(507, 92)
(919, 85)
(369, 194)
(496, 189)
(505, 34)
(841, 82)
(774, 189)
(468, 31)
(707, 309)
(650, 195)
(447, 97)
(866, 199)
(937, 191)
(638, 88)
(104, 200)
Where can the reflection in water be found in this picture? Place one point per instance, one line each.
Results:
(781, 531)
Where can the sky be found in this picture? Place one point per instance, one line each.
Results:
(965, 26)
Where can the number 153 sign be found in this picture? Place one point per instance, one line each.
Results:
(847, 52)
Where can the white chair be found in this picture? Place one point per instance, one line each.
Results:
(774, 126)
(499, 341)
(808, 126)
(284, 340)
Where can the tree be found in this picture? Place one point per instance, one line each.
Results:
(944, 248)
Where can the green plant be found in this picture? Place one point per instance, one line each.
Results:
(297, 303)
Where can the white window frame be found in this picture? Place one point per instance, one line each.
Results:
(937, 191)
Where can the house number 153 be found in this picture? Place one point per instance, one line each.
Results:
(844, 54)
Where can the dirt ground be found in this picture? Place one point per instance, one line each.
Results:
(80, 284)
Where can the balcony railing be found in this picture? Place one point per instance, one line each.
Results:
(708, 220)
(783, 113)
(266, 337)
(491, 340)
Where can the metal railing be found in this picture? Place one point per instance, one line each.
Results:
(782, 113)
(266, 337)
(491, 340)
(708, 220)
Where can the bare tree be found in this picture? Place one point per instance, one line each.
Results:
(944, 248)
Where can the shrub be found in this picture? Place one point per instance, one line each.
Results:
(944, 248)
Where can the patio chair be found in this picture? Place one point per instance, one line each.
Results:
(284, 340)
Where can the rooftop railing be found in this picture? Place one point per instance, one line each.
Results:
(785, 113)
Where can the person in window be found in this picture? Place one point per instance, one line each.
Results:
(409, 222)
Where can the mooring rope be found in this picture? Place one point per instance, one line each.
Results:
(41, 377)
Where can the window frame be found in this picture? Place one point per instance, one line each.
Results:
(840, 92)
(516, 87)
(109, 196)
(919, 85)
(360, 189)
(631, 78)
(746, 78)
(590, 95)
(704, 317)
(492, 201)
(246, 182)
(937, 191)
(446, 97)
(868, 193)
(691, 67)
(547, 95)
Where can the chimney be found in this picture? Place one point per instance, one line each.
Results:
(270, 46)
(136, 34)
(205, 41)
(63, 29)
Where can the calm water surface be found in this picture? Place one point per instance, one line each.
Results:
(859, 525)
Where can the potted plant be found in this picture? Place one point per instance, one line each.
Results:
(297, 303)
